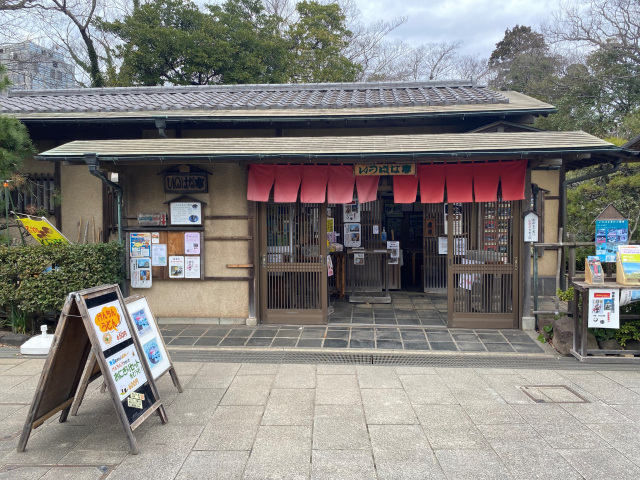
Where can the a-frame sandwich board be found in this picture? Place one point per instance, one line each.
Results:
(155, 350)
(95, 318)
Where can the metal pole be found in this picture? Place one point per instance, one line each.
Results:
(535, 284)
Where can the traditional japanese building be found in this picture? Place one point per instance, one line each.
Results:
(263, 203)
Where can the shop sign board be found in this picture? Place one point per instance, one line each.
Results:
(192, 182)
(41, 229)
(386, 169)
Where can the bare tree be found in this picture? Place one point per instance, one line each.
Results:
(16, 4)
(597, 24)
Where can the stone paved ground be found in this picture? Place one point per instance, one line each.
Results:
(265, 421)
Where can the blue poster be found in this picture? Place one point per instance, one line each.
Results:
(610, 234)
(154, 355)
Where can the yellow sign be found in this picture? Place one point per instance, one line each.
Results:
(387, 169)
(43, 231)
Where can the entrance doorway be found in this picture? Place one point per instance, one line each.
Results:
(293, 268)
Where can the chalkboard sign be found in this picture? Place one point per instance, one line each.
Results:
(96, 320)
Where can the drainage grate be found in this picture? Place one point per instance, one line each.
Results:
(516, 361)
(553, 394)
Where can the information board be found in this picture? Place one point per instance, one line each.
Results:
(609, 235)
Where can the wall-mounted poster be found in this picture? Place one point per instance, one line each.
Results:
(159, 255)
(351, 212)
(443, 246)
(191, 267)
(192, 243)
(141, 272)
(610, 234)
(176, 267)
(186, 213)
(139, 244)
(352, 236)
(394, 254)
(358, 258)
(604, 309)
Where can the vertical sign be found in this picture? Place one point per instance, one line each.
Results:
(531, 227)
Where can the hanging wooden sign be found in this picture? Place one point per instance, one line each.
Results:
(386, 169)
(96, 319)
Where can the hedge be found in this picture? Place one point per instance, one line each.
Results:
(37, 279)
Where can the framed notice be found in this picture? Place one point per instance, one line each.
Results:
(604, 308)
(186, 213)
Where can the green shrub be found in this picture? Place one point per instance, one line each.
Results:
(37, 279)
(629, 330)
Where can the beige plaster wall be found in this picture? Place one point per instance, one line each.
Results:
(81, 200)
(549, 180)
(204, 299)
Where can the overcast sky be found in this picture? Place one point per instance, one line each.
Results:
(480, 24)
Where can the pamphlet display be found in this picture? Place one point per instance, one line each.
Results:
(628, 265)
(604, 309)
(593, 273)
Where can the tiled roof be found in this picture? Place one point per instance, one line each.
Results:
(249, 97)
(427, 145)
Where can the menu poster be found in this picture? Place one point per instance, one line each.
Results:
(126, 370)
(604, 308)
(141, 272)
(186, 213)
(140, 244)
(109, 324)
(192, 243)
(176, 267)
(192, 267)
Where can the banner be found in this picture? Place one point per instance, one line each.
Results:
(43, 231)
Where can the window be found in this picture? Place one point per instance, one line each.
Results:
(35, 197)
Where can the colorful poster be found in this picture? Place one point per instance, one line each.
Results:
(176, 267)
(159, 255)
(43, 231)
(155, 237)
(604, 308)
(141, 321)
(109, 324)
(149, 335)
(139, 244)
(186, 213)
(153, 353)
(126, 370)
(609, 235)
(192, 267)
(352, 235)
(358, 258)
(329, 266)
(141, 273)
(192, 243)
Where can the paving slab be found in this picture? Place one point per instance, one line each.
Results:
(403, 452)
(596, 464)
(340, 427)
(280, 452)
(231, 428)
(213, 465)
(289, 406)
(342, 464)
(387, 406)
(485, 465)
